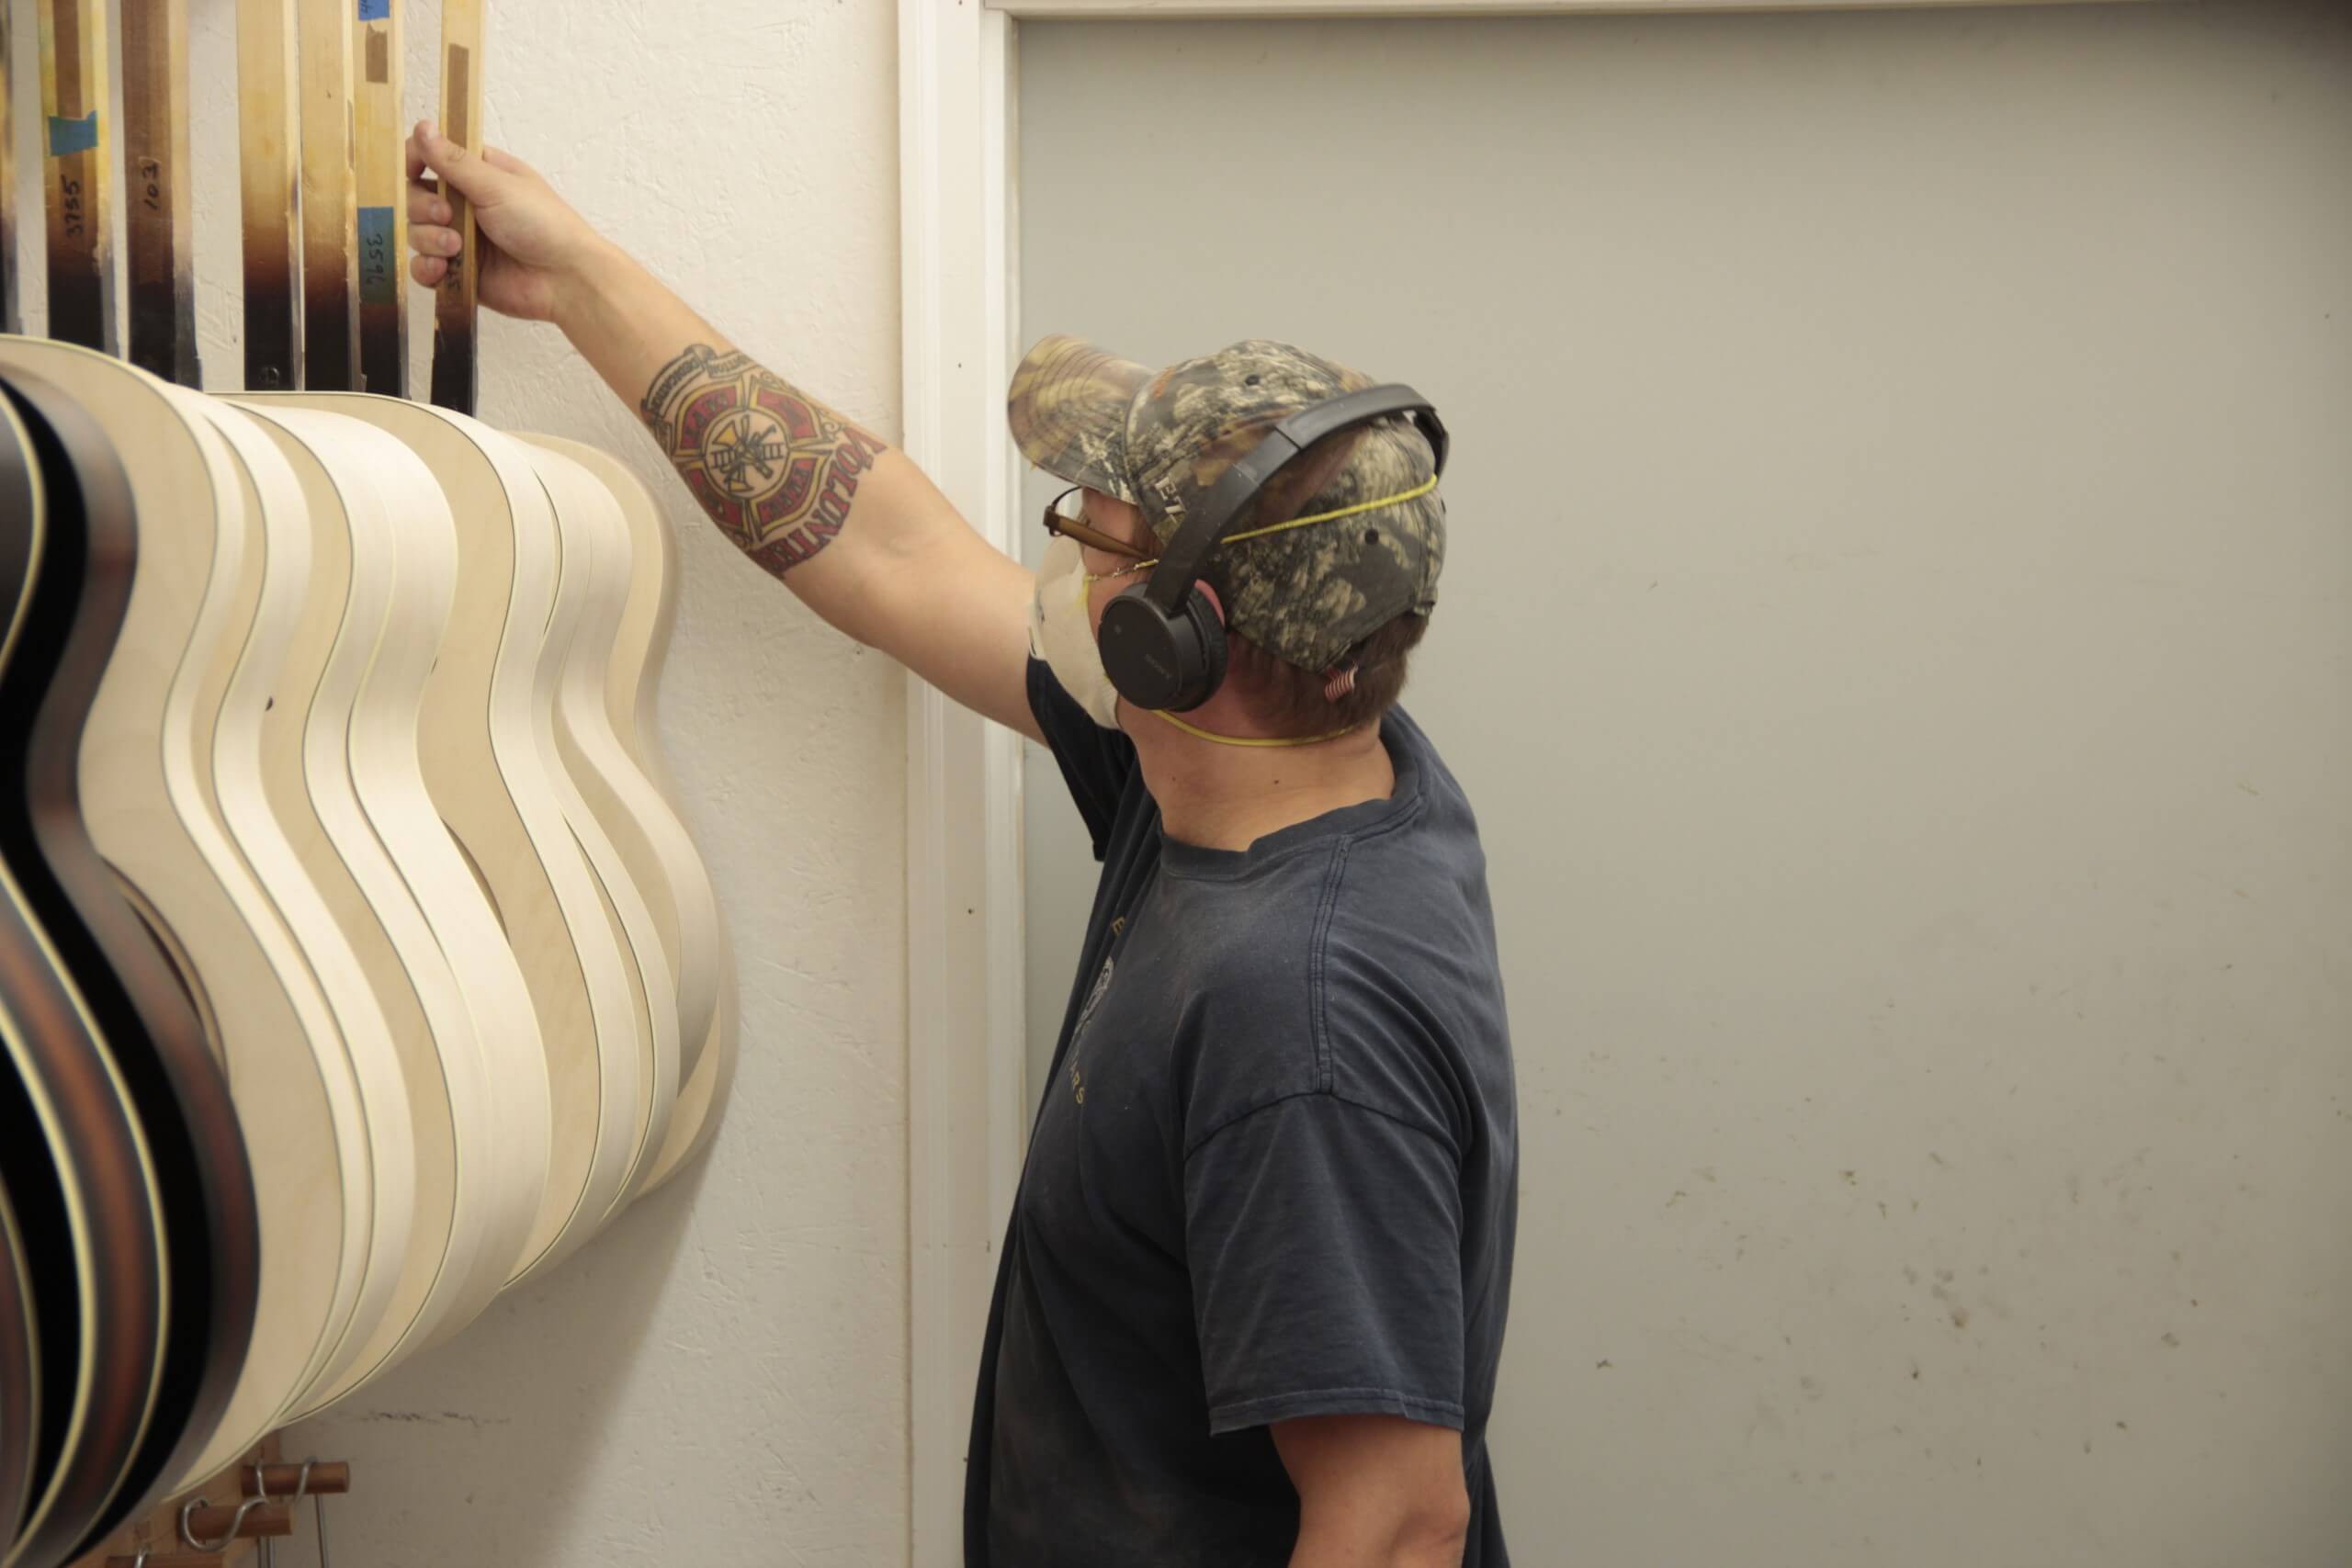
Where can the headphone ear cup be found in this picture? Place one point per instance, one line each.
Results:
(1156, 660)
(1207, 619)
(1146, 653)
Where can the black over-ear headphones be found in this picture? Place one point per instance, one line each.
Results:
(1163, 640)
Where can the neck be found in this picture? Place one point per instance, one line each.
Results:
(1225, 797)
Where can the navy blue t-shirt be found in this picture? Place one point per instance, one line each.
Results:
(1274, 1175)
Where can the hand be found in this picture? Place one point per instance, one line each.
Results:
(533, 245)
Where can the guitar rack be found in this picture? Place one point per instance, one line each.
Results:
(195, 1532)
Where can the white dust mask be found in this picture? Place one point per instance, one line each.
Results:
(1061, 632)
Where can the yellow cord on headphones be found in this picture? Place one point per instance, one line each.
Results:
(1254, 740)
(1413, 494)
(1266, 741)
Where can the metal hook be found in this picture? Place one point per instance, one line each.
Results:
(267, 1548)
(268, 1552)
(235, 1524)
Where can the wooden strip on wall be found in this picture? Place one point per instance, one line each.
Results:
(73, 170)
(271, 193)
(11, 319)
(330, 204)
(454, 309)
(380, 157)
(158, 241)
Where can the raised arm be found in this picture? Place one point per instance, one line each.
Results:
(847, 522)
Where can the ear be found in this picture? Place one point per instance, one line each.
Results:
(1206, 592)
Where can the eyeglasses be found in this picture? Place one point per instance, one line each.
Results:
(1066, 518)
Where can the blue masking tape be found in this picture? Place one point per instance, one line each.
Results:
(375, 10)
(379, 267)
(70, 136)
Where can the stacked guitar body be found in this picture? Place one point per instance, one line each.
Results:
(355, 964)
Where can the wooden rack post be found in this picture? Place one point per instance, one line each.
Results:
(262, 1471)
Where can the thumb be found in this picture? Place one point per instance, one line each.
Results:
(468, 173)
(498, 158)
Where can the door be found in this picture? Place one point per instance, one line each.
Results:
(1896, 637)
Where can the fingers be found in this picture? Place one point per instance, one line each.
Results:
(425, 205)
(475, 178)
(432, 239)
(428, 270)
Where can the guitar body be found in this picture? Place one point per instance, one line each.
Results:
(19, 1377)
(144, 804)
(639, 639)
(92, 1242)
(383, 575)
(22, 525)
(702, 1099)
(502, 1146)
(492, 784)
(75, 1162)
(705, 960)
(605, 796)
(240, 691)
(196, 1146)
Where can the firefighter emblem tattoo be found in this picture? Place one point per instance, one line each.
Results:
(775, 469)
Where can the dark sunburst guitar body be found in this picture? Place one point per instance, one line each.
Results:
(150, 1021)
(143, 1027)
(19, 1332)
(19, 1375)
(73, 1156)
(178, 1088)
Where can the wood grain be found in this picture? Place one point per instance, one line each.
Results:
(75, 171)
(235, 689)
(146, 1013)
(145, 756)
(20, 1394)
(156, 1530)
(490, 782)
(270, 193)
(92, 1221)
(344, 774)
(331, 1478)
(605, 799)
(330, 202)
(623, 782)
(11, 317)
(159, 244)
(456, 303)
(380, 157)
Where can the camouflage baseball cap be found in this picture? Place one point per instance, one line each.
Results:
(1161, 441)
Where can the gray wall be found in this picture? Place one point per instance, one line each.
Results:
(1896, 638)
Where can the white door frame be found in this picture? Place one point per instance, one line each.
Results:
(967, 1102)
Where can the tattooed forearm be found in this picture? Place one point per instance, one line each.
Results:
(775, 469)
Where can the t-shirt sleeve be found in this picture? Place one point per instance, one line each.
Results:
(1097, 763)
(1325, 1245)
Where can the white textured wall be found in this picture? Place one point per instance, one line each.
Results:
(720, 1377)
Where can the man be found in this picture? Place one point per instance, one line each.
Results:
(1252, 1300)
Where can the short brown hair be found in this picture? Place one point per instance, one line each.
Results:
(1292, 701)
